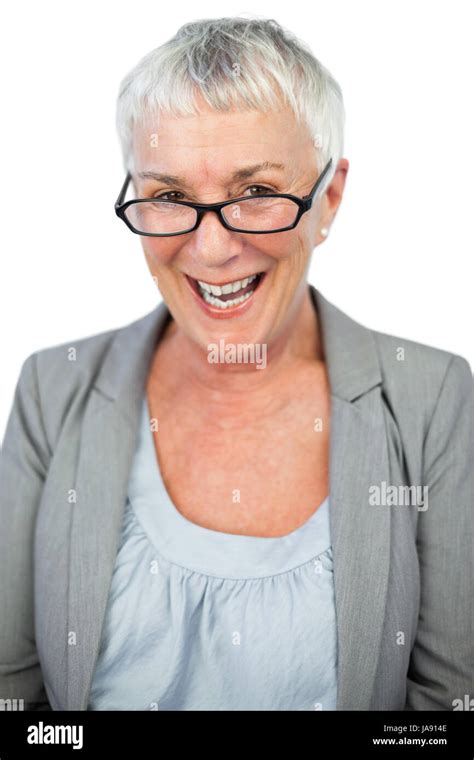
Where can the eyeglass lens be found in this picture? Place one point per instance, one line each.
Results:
(251, 214)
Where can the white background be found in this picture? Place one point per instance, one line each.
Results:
(400, 255)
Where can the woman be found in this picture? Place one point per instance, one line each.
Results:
(244, 499)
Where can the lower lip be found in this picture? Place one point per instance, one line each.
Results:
(232, 311)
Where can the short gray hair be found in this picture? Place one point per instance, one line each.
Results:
(235, 62)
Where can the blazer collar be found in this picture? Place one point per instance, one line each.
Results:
(360, 534)
(349, 348)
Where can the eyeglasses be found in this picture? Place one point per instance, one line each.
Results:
(257, 215)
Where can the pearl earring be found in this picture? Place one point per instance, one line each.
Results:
(324, 231)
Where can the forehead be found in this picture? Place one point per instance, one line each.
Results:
(220, 138)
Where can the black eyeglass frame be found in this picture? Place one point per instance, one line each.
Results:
(304, 204)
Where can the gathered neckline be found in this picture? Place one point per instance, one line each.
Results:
(210, 551)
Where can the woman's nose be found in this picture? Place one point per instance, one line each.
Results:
(212, 243)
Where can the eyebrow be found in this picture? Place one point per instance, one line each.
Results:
(244, 173)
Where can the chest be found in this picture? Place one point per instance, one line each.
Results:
(265, 478)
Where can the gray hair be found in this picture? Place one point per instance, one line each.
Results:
(235, 62)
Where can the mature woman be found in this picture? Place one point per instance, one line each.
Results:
(244, 499)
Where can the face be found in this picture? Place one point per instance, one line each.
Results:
(204, 152)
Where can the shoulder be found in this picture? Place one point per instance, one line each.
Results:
(59, 378)
(417, 365)
(410, 374)
(86, 354)
(417, 378)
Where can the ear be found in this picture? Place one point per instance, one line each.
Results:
(330, 201)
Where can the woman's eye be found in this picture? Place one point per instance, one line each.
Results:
(170, 192)
(176, 195)
(262, 188)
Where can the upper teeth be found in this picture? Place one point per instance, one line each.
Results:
(229, 287)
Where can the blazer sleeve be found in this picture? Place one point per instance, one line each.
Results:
(24, 460)
(441, 665)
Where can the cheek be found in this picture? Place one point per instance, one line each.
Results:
(290, 250)
(292, 246)
(280, 246)
(158, 253)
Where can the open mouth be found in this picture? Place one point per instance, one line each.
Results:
(229, 294)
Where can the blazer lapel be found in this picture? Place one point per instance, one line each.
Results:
(360, 532)
(110, 427)
(358, 459)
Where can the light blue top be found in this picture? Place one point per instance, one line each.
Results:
(198, 619)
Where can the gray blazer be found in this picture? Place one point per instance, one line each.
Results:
(402, 414)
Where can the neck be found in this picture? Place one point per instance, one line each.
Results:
(236, 387)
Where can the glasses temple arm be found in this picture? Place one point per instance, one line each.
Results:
(123, 191)
(318, 181)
